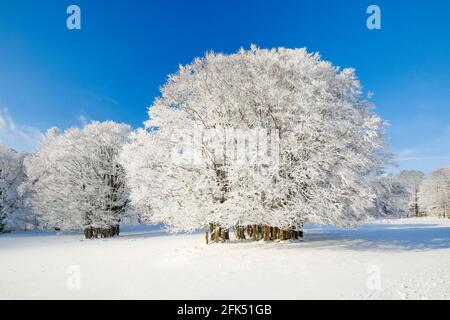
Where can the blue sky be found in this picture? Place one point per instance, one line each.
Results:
(113, 67)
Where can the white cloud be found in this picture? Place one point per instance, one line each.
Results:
(419, 158)
(406, 154)
(436, 154)
(19, 137)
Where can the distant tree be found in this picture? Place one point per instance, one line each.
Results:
(327, 137)
(413, 180)
(434, 193)
(14, 215)
(391, 196)
(75, 179)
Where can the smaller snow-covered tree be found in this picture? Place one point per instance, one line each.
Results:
(76, 180)
(391, 196)
(14, 215)
(434, 193)
(413, 179)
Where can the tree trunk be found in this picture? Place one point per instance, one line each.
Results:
(91, 232)
(240, 232)
(206, 234)
(218, 234)
(224, 234)
(211, 231)
(275, 233)
(294, 234)
(266, 233)
(257, 232)
(88, 233)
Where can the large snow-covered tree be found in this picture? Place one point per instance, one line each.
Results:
(76, 181)
(413, 179)
(307, 117)
(14, 215)
(434, 193)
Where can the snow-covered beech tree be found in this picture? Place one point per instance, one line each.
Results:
(413, 179)
(391, 196)
(434, 193)
(260, 140)
(14, 215)
(76, 181)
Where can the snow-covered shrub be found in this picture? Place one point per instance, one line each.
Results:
(322, 135)
(76, 181)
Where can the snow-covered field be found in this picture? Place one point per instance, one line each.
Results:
(396, 259)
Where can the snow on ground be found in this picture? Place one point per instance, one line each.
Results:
(393, 259)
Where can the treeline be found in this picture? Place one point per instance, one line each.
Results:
(259, 142)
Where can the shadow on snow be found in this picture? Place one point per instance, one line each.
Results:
(381, 237)
(368, 237)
